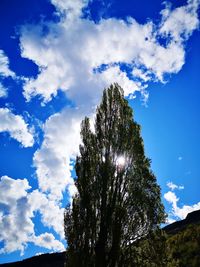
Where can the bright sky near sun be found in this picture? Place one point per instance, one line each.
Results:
(56, 57)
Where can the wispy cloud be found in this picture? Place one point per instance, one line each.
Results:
(5, 72)
(16, 127)
(173, 186)
(3, 91)
(4, 65)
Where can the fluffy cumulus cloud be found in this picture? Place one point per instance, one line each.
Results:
(176, 211)
(15, 226)
(16, 127)
(72, 8)
(47, 240)
(52, 160)
(51, 212)
(17, 210)
(180, 23)
(77, 47)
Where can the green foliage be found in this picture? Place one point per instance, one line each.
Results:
(149, 251)
(117, 202)
(184, 247)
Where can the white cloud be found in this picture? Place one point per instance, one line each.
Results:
(173, 186)
(11, 190)
(182, 212)
(178, 212)
(3, 91)
(16, 127)
(171, 198)
(51, 213)
(170, 220)
(72, 9)
(180, 23)
(48, 241)
(68, 54)
(139, 73)
(17, 228)
(61, 143)
(16, 225)
(4, 65)
(17, 210)
(114, 74)
(39, 253)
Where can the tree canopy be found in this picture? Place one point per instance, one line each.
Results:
(118, 200)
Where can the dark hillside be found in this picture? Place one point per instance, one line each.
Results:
(183, 241)
(192, 218)
(44, 260)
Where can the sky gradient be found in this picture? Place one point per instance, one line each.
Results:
(56, 57)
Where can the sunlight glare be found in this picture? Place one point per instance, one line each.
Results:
(120, 161)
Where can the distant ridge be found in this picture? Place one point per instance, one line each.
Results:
(192, 218)
(44, 260)
(58, 259)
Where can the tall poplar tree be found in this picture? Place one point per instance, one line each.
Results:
(118, 199)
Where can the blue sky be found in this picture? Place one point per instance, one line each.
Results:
(55, 59)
